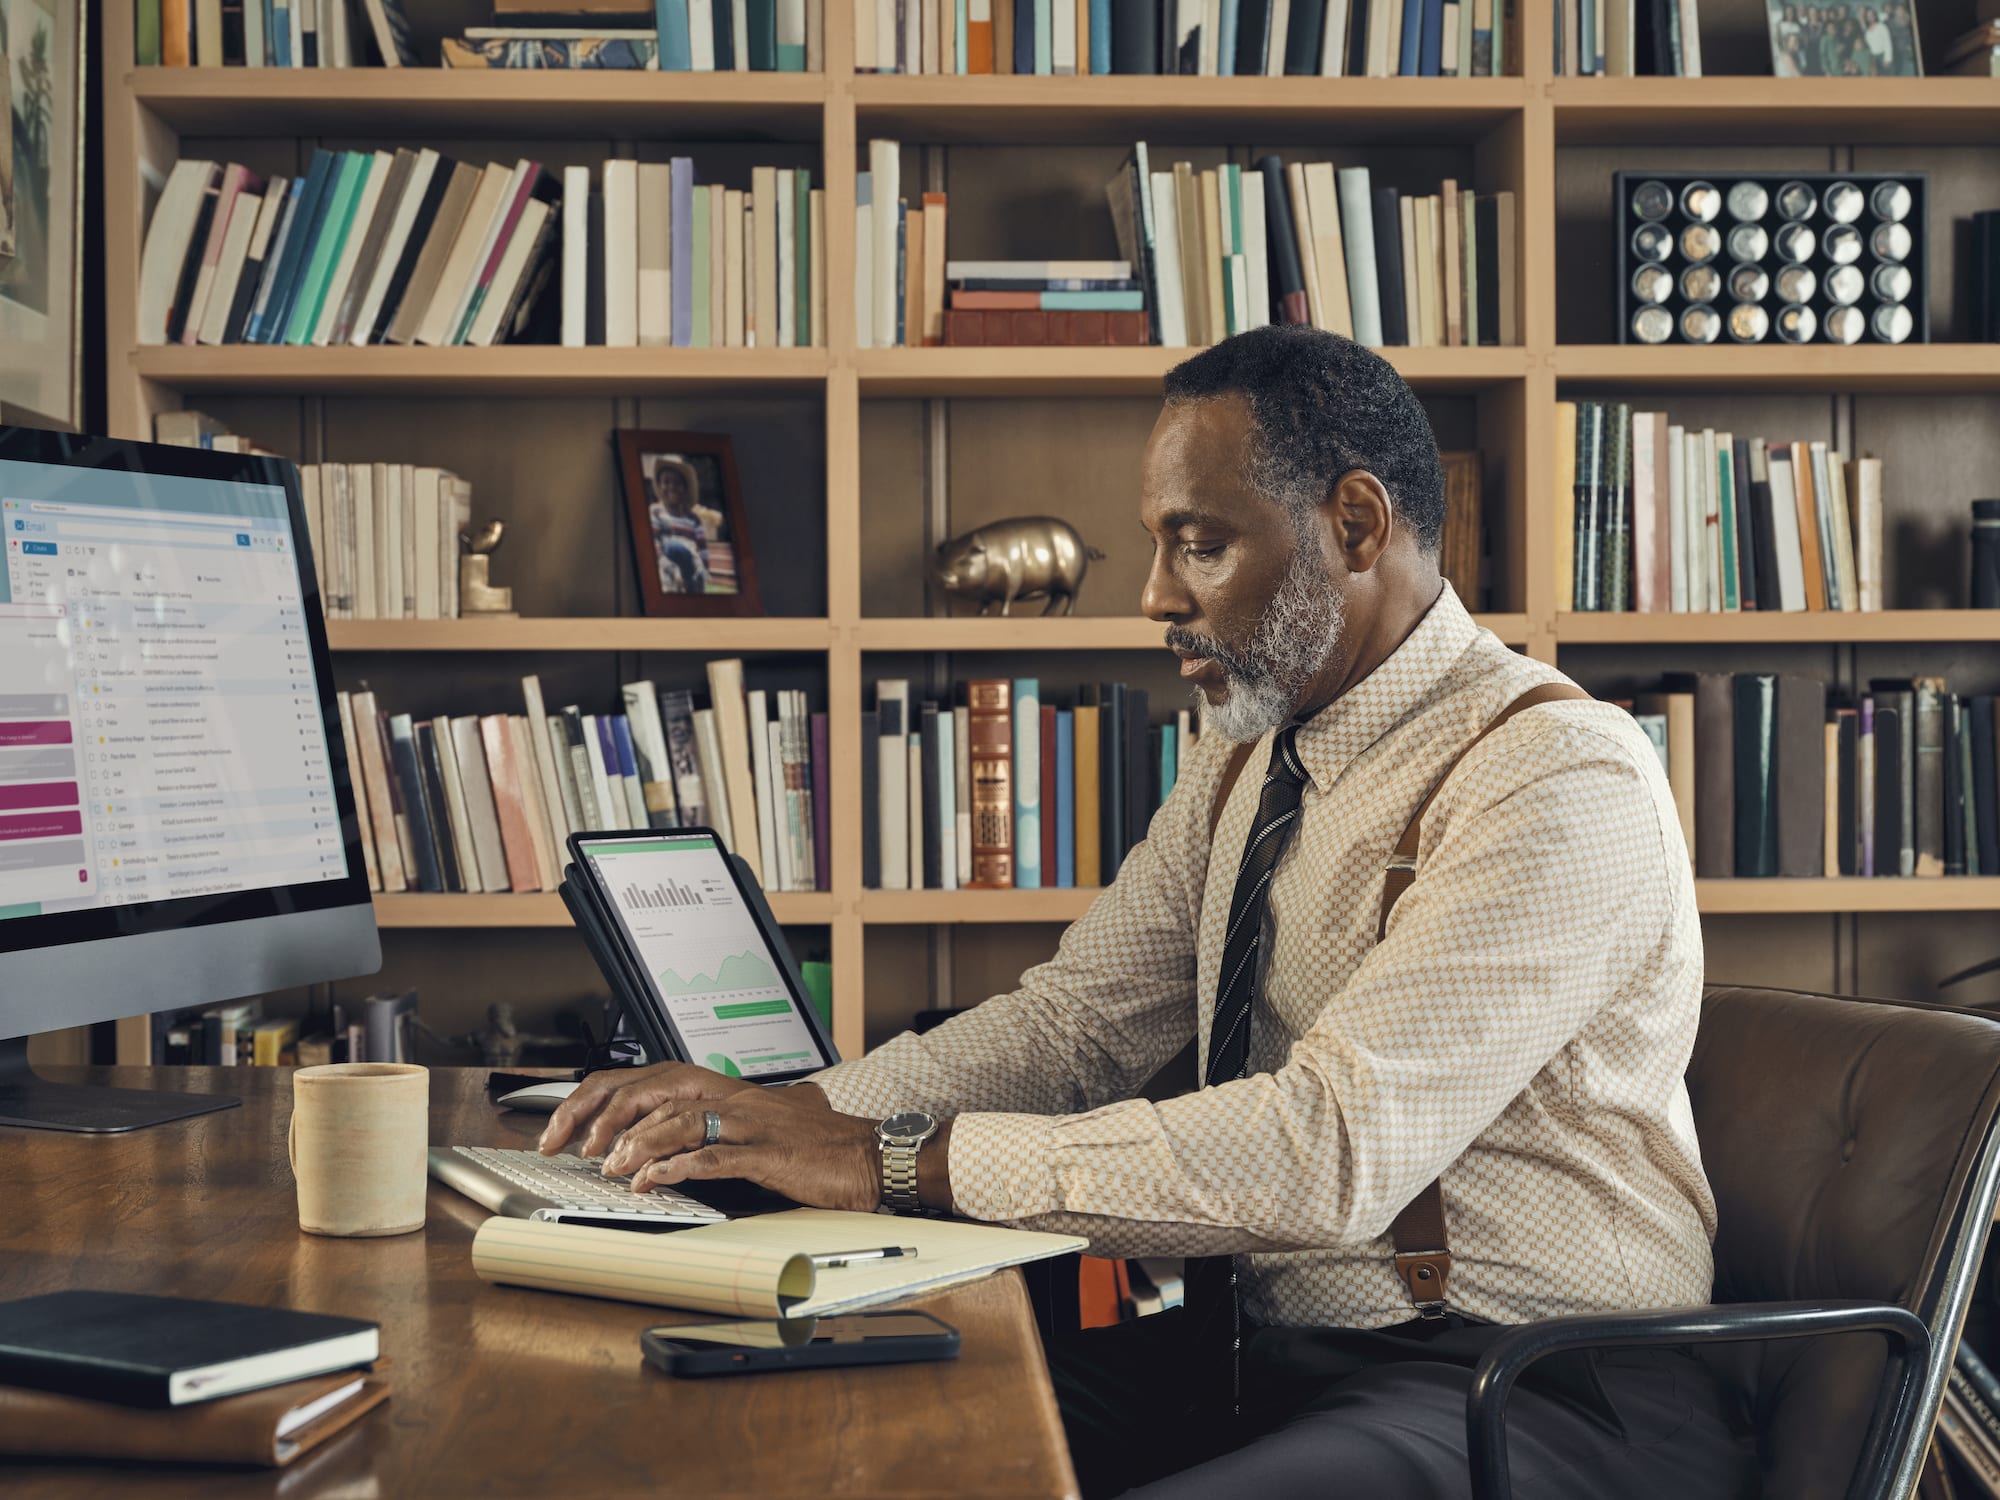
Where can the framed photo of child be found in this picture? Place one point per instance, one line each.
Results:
(685, 507)
(1844, 39)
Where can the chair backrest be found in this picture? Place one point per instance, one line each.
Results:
(1851, 1146)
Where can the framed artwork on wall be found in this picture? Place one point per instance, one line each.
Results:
(41, 210)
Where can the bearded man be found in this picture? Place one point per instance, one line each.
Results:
(1414, 1116)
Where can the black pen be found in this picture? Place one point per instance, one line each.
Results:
(848, 1257)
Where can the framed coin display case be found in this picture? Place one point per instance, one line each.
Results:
(1751, 258)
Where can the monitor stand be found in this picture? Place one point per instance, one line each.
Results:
(92, 1108)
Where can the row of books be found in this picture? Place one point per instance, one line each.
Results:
(690, 264)
(678, 36)
(1001, 790)
(487, 802)
(1968, 1423)
(1627, 38)
(225, 1036)
(1770, 780)
(385, 538)
(270, 33)
(1653, 516)
(1210, 38)
(404, 247)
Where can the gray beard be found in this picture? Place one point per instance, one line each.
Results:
(1298, 636)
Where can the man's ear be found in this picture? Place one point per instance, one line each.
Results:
(1363, 519)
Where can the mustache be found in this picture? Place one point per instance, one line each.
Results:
(1180, 638)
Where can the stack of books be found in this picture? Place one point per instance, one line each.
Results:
(271, 33)
(1209, 38)
(1205, 255)
(654, 257)
(486, 803)
(1002, 790)
(197, 429)
(1654, 516)
(1768, 780)
(403, 247)
(229, 1035)
(701, 36)
(1628, 38)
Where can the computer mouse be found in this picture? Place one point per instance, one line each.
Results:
(538, 1098)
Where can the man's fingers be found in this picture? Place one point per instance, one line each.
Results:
(709, 1161)
(578, 1107)
(667, 1131)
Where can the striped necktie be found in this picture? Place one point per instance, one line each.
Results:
(1211, 1282)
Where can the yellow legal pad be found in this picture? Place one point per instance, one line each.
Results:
(756, 1267)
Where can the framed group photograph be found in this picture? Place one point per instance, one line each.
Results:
(685, 506)
(1844, 39)
(41, 210)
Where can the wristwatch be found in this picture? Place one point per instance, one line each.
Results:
(902, 1135)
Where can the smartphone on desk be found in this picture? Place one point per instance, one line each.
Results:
(750, 1345)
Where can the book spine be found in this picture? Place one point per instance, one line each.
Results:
(1027, 783)
(990, 763)
(871, 810)
(1929, 778)
(947, 813)
(684, 759)
(932, 792)
(892, 703)
(503, 770)
(445, 831)
(410, 781)
(1755, 761)
(822, 806)
(1617, 583)
(1797, 785)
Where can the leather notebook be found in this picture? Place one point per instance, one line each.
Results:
(268, 1428)
(138, 1350)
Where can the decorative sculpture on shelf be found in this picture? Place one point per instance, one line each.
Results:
(1028, 557)
(478, 599)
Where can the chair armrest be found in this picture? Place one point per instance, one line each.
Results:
(1514, 1351)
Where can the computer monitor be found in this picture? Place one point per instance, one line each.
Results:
(176, 822)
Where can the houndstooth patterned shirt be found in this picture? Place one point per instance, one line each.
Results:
(1523, 1029)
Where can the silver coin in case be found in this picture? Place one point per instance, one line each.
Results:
(1892, 323)
(1652, 283)
(1797, 325)
(1654, 242)
(1794, 242)
(1845, 284)
(1652, 325)
(1843, 202)
(1890, 283)
(1796, 283)
(1890, 201)
(1845, 325)
(1842, 244)
(1701, 324)
(1749, 283)
(1748, 202)
(1890, 242)
(1652, 199)
(1748, 242)
(1797, 201)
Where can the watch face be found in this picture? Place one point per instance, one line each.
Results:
(909, 1125)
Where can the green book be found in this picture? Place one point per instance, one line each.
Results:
(703, 287)
(1132, 301)
(1235, 181)
(354, 166)
(818, 980)
(802, 269)
(146, 41)
(1725, 509)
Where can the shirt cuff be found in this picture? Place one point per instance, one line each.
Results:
(1003, 1166)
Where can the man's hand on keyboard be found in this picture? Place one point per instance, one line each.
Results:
(787, 1139)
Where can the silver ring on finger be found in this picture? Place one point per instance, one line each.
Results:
(711, 1128)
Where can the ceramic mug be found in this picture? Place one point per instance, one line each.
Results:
(359, 1137)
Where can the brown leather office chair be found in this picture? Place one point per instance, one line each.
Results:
(1852, 1148)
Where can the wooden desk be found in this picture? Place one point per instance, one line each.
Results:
(499, 1391)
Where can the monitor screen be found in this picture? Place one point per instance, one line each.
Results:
(163, 731)
(704, 955)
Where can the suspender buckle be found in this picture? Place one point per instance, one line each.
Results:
(1426, 1275)
(1401, 862)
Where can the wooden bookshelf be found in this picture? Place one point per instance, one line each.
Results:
(1525, 134)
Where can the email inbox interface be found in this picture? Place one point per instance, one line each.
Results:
(160, 729)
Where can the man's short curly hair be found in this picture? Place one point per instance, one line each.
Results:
(1324, 406)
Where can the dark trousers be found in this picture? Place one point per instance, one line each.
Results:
(1336, 1413)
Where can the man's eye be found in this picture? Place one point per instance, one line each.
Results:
(1201, 549)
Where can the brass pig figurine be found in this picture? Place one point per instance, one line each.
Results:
(1028, 557)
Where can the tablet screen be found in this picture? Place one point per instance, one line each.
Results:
(706, 958)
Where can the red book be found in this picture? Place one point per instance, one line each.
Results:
(1048, 795)
(505, 772)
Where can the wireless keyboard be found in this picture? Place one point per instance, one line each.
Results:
(562, 1190)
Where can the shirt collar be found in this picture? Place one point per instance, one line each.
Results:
(1330, 741)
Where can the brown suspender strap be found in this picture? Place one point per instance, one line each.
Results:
(1423, 1247)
